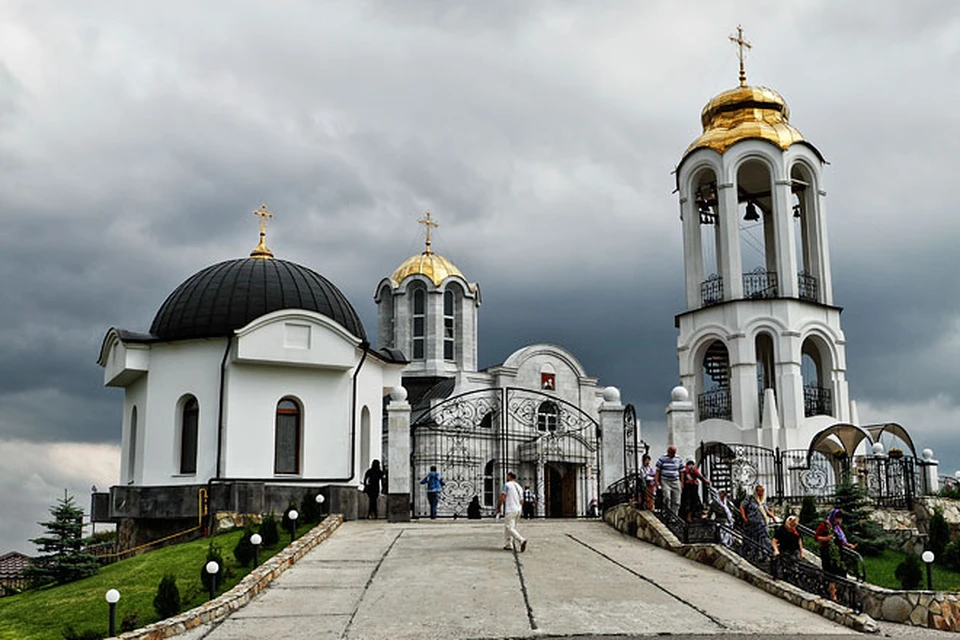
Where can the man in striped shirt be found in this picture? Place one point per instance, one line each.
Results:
(668, 478)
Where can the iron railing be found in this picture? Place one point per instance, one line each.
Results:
(851, 559)
(711, 290)
(817, 401)
(807, 287)
(760, 283)
(715, 404)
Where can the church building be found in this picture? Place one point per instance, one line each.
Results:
(535, 414)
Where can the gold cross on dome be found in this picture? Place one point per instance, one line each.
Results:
(428, 222)
(261, 250)
(741, 43)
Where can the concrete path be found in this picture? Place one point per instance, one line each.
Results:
(441, 579)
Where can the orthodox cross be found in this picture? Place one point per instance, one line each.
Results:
(261, 250)
(428, 222)
(741, 43)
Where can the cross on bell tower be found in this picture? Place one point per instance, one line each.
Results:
(428, 222)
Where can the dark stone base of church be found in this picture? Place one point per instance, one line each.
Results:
(145, 514)
(398, 507)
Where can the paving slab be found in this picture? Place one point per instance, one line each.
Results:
(374, 580)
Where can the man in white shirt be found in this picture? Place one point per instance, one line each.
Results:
(510, 504)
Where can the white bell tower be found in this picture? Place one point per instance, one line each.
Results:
(760, 313)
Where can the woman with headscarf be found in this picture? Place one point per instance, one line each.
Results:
(756, 521)
(371, 486)
(830, 531)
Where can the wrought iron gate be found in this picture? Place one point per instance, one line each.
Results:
(631, 442)
(475, 438)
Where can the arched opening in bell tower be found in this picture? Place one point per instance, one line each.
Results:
(766, 377)
(803, 218)
(708, 212)
(757, 238)
(817, 395)
(714, 399)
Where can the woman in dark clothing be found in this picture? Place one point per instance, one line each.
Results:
(371, 486)
(756, 518)
(787, 542)
(690, 505)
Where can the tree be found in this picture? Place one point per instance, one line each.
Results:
(243, 552)
(167, 601)
(213, 555)
(939, 532)
(909, 573)
(269, 532)
(809, 517)
(62, 558)
(853, 501)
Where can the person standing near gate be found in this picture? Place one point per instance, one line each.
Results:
(435, 483)
(511, 499)
(668, 478)
(529, 502)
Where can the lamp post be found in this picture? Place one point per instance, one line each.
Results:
(293, 515)
(320, 501)
(213, 568)
(928, 558)
(113, 597)
(256, 540)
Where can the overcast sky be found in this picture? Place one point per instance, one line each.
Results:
(136, 139)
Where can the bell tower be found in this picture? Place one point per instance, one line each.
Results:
(760, 347)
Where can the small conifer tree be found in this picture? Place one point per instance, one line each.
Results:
(269, 532)
(167, 601)
(938, 532)
(286, 518)
(809, 516)
(243, 552)
(213, 554)
(853, 502)
(909, 573)
(309, 509)
(62, 558)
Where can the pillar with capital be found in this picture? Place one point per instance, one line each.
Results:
(398, 437)
(611, 428)
(681, 423)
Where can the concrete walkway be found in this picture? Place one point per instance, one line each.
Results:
(442, 579)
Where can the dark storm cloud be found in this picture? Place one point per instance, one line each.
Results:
(135, 140)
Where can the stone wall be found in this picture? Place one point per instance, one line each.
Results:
(645, 526)
(933, 609)
(252, 584)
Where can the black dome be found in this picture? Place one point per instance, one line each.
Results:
(226, 296)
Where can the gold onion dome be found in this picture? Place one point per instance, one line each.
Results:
(743, 113)
(429, 264)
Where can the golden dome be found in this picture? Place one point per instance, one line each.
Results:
(429, 264)
(743, 113)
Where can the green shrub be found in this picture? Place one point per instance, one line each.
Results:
(269, 532)
(909, 573)
(286, 519)
(939, 532)
(167, 601)
(243, 552)
(213, 554)
(951, 555)
(809, 516)
(131, 621)
(309, 509)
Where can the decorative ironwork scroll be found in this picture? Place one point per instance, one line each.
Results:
(760, 283)
(631, 461)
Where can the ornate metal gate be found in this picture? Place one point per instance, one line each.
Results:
(631, 443)
(475, 438)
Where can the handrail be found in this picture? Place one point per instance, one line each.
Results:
(852, 559)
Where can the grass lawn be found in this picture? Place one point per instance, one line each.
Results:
(42, 614)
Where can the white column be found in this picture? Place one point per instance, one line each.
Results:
(785, 245)
(692, 251)
(729, 260)
(682, 423)
(398, 436)
(611, 426)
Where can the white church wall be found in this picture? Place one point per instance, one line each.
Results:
(294, 337)
(125, 363)
(177, 369)
(134, 396)
(253, 392)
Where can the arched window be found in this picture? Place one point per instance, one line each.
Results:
(765, 369)
(365, 438)
(708, 239)
(419, 322)
(449, 334)
(817, 397)
(132, 458)
(189, 421)
(757, 239)
(714, 399)
(489, 484)
(287, 444)
(547, 416)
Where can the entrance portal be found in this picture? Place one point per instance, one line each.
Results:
(561, 490)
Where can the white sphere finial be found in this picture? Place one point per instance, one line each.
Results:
(256, 539)
(927, 556)
(293, 514)
(212, 567)
(927, 455)
(679, 394)
(113, 596)
(398, 394)
(611, 395)
(957, 475)
(877, 448)
(320, 498)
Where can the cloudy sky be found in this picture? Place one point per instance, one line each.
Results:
(136, 138)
